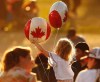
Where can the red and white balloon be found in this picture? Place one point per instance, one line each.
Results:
(37, 29)
(58, 14)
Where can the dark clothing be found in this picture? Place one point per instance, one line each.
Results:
(41, 73)
(76, 67)
(51, 74)
(44, 74)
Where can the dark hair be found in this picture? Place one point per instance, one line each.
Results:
(71, 32)
(82, 46)
(97, 65)
(11, 57)
(98, 79)
(41, 58)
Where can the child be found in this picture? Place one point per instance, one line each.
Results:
(60, 59)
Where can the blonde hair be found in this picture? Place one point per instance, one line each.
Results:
(64, 48)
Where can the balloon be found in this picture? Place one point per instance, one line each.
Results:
(37, 29)
(58, 14)
(55, 19)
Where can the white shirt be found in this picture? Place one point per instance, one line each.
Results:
(61, 67)
(87, 76)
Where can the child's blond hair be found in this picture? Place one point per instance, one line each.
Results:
(64, 48)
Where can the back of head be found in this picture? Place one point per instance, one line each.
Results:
(11, 57)
(41, 59)
(64, 48)
(71, 32)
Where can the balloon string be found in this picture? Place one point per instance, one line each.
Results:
(44, 70)
(55, 38)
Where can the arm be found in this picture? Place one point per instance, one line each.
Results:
(41, 48)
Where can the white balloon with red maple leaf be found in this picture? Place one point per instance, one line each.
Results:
(37, 29)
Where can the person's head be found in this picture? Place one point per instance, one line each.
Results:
(41, 59)
(71, 33)
(17, 56)
(94, 58)
(81, 49)
(64, 48)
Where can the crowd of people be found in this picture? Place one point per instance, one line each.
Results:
(72, 60)
(68, 63)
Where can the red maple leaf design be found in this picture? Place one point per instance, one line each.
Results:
(38, 33)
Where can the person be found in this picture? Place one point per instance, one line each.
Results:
(79, 63)
(72, 35)
(93, 71)
(43, 71)
(17, 64)
(59, 59)
(41, 68)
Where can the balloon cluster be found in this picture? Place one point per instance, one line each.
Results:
(38, 28)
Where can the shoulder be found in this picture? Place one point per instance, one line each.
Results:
(18, 75)
(87, 72)
(53, 55)
(81, 76)
(80, 37)
(17, 71)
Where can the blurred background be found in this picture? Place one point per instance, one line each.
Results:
(83, 15)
